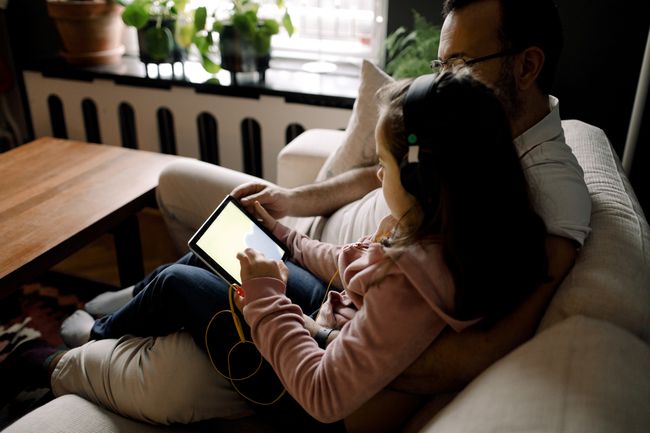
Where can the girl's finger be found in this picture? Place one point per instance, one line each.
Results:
(262, 213)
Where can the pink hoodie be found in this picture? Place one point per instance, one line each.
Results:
(395, 303)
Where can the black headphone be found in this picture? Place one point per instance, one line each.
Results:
(417, 110)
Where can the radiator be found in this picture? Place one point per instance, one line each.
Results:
(241, 133)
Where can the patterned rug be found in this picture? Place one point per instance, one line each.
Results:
(36, 311)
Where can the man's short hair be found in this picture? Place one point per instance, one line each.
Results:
(527, 23)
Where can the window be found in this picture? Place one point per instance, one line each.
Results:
(328, 33)
(336, 31)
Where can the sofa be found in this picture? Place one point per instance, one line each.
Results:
(587, 369)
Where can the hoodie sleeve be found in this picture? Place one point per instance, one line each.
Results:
(392, 328)
(320, 258)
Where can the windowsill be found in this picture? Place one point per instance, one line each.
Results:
(285, 78)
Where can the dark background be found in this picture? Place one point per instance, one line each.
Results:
(596, 81)
(604, 42)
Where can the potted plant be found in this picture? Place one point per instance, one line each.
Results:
(409, 54)
(91, 30)
(168, 28)
(244, 36)
(157, 24)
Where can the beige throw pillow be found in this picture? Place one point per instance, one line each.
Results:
(358, 148)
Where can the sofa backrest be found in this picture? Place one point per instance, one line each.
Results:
(611, 278)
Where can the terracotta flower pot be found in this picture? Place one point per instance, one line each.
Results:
(91, 30)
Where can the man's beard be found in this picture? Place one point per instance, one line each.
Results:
(506, 91)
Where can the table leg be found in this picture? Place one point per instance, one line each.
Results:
(129, 251)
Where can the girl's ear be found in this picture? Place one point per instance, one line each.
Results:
(528, 67)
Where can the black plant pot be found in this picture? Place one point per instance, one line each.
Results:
(154, 54)
(238, 54)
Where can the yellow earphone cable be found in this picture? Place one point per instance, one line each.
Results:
(327, 290)
(242, 340)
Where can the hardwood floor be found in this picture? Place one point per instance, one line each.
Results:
(97, 261)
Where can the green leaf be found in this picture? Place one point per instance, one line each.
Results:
(262, 44)
(159, 42)
(286, 22)
(209, 65)
(201, 42)
(184, 34)
(280, 3)
(200, 17)
(245, 23)
(409, 54)
(270, 27)
(135, 15)
(217, 26)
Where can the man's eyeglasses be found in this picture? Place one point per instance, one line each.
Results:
(461, 62)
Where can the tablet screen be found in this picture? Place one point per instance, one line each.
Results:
(229, 230)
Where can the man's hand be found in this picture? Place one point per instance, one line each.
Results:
(322, 198)
(275, 200)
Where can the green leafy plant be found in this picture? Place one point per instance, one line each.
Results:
(409, 54)
(193, 26)
(244, 18)
(159, 39)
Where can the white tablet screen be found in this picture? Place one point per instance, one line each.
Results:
(228, 231)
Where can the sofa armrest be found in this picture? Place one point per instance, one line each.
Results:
(300, 160)
(581, 375)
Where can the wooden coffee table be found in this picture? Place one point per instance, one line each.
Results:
(57, 196)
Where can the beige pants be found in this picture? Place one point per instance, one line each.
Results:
(160, 380)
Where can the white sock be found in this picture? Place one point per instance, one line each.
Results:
(75, 330)
(109, 302)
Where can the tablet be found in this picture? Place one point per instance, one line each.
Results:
(229, 230)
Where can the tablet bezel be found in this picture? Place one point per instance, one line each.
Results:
(207, 259)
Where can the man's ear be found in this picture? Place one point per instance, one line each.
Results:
(529, 65)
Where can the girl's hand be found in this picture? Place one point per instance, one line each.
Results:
(239, 299)
(267, 220)
(385, 229)
(255, 265)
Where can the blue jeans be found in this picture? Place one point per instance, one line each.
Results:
(185, 295)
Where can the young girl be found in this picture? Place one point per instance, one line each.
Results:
(461, 244)
(464, 244)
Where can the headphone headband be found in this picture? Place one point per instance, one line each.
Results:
(417, 110)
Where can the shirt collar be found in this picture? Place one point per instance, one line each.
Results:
(547, 129)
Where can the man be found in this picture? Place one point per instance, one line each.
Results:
(514, 46)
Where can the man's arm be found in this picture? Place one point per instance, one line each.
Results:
(322, 198)
(455, 359)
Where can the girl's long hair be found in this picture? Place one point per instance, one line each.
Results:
(473, 196)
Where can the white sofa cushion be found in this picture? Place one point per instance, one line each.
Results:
(358, 148)
(611, 277)
(300, 161)
(582, 375)
(71, 413)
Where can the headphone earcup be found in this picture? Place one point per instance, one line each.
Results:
(410, 178)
